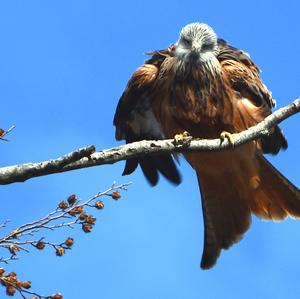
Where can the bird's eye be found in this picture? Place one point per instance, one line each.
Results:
(207, 47)
(186, 41)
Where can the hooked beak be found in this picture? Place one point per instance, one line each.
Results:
(195, 46)
(194, 54)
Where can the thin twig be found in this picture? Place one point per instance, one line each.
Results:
(4, 133)
(14, 241)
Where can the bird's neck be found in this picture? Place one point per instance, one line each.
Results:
(197, 70)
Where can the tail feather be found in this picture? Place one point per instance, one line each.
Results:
(276, 197)
(228, 199)
(226, 215)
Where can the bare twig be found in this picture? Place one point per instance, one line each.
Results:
(4, 224)
(23, 172)
(3, 133)
(71, 210)
(69, 213)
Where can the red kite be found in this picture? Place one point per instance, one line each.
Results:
(204, 86)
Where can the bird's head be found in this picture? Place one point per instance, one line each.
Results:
(197, 43)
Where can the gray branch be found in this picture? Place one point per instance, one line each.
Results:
(87, 157)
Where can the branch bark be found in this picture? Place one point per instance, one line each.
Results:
(87, 157)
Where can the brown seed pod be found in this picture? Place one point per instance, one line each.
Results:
(10, 290)
(79, 209)
(63, 205)
(26, 284)
(12, 274)
(115, 195)
(72, 212)
(57, 296)
(76, 210)
(87, 228)
(40, 245)
(2, 270)
(60, 251)
(83, 216)
(69, 242)
(90, 219)
(72, 199)
(18, 284)
(13, 249)
(99, 205)
(11, 281)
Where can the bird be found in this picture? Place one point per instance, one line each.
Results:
(206, 87)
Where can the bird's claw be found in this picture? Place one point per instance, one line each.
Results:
(182, 138)
(226, 135)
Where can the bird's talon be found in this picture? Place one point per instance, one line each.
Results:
(182, 138)
(228, 136)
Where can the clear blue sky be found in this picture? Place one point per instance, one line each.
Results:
(63, 66)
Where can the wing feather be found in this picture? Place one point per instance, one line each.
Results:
(255, 100)
(134, 121)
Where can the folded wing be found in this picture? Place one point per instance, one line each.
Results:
(135, 121)
(255, 100)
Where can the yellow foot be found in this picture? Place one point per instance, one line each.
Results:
(183, 138)
(228, 136)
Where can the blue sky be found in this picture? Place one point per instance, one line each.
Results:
(63, 66)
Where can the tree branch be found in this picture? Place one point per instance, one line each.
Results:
(86, 157)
